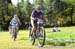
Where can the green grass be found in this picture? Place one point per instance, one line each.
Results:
(23, 42)
(65, 33)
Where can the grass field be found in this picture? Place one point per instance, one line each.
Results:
(65, 33)
(23, 42)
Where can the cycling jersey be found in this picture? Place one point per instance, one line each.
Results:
(14, 23)
(36, 14)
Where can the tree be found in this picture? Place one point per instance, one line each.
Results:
(24, 12)
(70, 11)
(26, 9)
(48, 8)
(38, 2)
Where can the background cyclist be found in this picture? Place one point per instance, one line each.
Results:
(15, 22)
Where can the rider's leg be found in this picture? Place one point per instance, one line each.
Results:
(12, 31)
(34, 25)
(33, 29)
(17, 30)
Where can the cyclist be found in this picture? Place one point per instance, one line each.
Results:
(36, 13)
(15, 22)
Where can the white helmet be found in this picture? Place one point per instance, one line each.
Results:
(37, 7)
(15, 17)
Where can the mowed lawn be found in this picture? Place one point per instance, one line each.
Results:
(23, 42)
(67, 33)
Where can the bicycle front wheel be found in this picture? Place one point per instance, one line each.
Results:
(41, 38)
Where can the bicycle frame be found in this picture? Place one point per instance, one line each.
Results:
(37, 30)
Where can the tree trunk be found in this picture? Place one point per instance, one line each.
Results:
(72, 15)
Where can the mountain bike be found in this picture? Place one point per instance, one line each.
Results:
(14, 31)
(39, 34)
(14, 34)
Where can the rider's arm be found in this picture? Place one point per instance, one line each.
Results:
(11, 21)
(44, 17)
(33, 15)
(19, 22)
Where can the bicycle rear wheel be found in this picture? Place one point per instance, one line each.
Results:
(41, 38)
